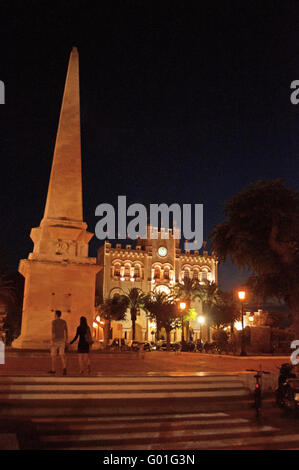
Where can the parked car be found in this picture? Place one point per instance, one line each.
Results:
(140, 345)
(162, 346)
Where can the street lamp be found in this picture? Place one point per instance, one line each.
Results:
(183, 306)
(242, 295)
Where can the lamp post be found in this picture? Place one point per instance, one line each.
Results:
(182, 308)
(242, 295)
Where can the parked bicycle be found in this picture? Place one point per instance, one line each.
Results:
(258, 389)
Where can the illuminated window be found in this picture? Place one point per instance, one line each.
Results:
(127, 272)
(137, 272)
(166, 273)
(195, 275)
(117, 270)
(157, 273)
(186, 274)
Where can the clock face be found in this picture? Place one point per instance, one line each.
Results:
(162, 251)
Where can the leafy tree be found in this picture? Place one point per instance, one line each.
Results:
(8, 298)
(221, 337)
(11, 294)
(261, 233)
(225, 310)
(209, 295)
(135, 299)
(7, 290)
(112, 309)
(273, 318)
(190, 315)
(163, 309)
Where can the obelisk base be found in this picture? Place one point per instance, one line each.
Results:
(50, 286)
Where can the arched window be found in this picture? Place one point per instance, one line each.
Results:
(186, 274)
(137, 272)
(127, 272)
(117, 270)
(204, 276)
(195, 275)
(157, 273)
(166, 273)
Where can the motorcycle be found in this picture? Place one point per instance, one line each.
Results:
(287, 393)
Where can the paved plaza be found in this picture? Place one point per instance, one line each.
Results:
(38, 363)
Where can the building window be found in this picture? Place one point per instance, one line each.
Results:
(186, 274)
(204, 276)
(157, 273)
(127, 272)
(117, 270)
(195, 275)
(137, 272)
(166, 273)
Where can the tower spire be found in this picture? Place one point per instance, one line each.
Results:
(64, 198)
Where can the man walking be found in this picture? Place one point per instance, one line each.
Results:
(59, 341)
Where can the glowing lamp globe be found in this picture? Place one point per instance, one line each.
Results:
(241, 294)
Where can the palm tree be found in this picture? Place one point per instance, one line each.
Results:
(163, 309)
(135, 299)
(112, 309)
(209, 296)
(186, 291)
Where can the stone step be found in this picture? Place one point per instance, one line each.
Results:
(186, 430)
(64, 396)
(120, 379)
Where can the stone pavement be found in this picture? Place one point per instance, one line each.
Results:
(148, 363)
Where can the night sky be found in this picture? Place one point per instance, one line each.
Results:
(181, 102)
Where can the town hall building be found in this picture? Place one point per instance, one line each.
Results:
(153, 265)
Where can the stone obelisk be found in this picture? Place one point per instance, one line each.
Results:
(59, 275)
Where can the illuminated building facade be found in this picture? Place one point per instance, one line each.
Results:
(152, 265)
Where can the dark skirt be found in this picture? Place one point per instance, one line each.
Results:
(83, 348)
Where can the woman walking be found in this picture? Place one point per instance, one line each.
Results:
(85, 341)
